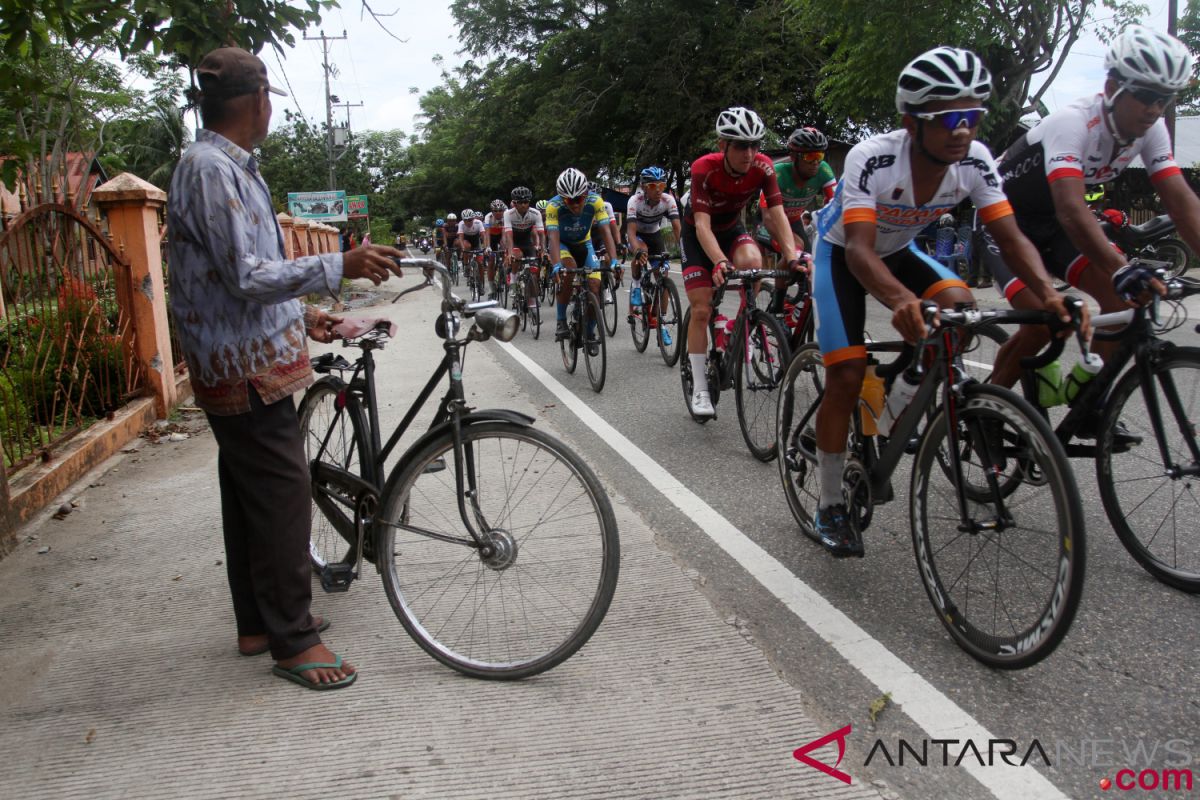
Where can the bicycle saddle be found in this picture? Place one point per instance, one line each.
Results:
(352, 328)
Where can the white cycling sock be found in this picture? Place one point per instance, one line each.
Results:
(830, 467)
(699, 378)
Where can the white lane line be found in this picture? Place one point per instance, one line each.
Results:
(939, 716)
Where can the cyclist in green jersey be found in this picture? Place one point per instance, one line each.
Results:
(806, 182)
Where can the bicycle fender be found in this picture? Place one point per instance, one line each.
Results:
(474, 418)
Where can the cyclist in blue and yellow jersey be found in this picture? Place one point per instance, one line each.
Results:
(569, 218)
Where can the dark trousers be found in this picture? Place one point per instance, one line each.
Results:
(266, 512)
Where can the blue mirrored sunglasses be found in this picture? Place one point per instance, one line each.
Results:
(955, 118)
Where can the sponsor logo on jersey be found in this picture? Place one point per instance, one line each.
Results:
(874, 163)
(1162, 159)
(907, 216)
(1065, 157)
(1093, 122)
(989, 177)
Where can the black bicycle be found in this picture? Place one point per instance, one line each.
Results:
(525, 296)
(997, 524)
(749, 354)
(496, 542)
(1148, 466)
(659, 312)
(608, 300)
(585, 331)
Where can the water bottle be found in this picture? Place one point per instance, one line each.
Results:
(1049, 388)
(904, 388)
(722, 328)
(635, 296)
(1083, 371)
(872, 401)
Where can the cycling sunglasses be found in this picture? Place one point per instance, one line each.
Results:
(1151, 97)
(574, 200)
(736, 145)
(656, 185)
(814, 156)
(954, 119)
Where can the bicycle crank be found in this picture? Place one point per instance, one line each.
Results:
(856, 486)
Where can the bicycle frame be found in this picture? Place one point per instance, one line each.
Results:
(739, 340)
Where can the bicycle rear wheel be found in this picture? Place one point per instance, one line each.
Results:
(331, 539)
(533, 308)
(545, 587)
(796, 437)
(1152, 507)
(1007, 589)
(670, 323)
(597, 363)
(757, 382)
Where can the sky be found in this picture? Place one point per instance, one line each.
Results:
(377, 70)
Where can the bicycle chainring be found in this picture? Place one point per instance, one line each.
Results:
(856, 486)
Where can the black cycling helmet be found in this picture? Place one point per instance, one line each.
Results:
(522, 194)
(807, 140)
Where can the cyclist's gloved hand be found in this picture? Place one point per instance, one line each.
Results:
(557, 267)
(1133, 283)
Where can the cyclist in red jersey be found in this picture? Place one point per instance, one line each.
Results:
(713, 238)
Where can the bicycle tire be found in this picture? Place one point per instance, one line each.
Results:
(568, 346)
(559, 562)
(757, 381)
(1175, 560)
(671, 322)
(331, 511)
(597, 365)
(1038, 615)
(802, 386)
(533, 307)
(639, 321)
(1172, 251)
(609, 305)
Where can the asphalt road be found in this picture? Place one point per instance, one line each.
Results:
(1119, 693)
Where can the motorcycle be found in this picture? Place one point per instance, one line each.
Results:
(425, 246)
(1151, 241)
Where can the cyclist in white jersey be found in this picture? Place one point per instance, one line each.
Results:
(647, 210)
(1048, 172)
(894, 185)
(524, 232)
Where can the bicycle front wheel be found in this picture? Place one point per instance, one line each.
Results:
(796, 434)
(671, 336)
(639, 321)
(1153, 506)
(533, 309)
(608, 297)
(1006, 579)
(546, 581)
(344, 435)
(759, 376)
(595, 347)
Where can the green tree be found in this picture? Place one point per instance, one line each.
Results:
(871, 42)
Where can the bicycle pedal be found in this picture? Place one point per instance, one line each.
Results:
(337, 577)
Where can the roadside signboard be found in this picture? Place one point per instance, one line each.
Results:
(323, 206)
(357, 206)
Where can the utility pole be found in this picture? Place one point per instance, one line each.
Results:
(347, 106)
(325, 40)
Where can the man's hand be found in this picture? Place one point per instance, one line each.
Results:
(718, 272)
(373, 262)
(909, 320)
(1058, 305)
(319, 325)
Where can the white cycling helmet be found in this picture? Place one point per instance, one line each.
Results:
(451, 218)
(1151, 59)
(740, 125)
(571, 183)
(943, 73)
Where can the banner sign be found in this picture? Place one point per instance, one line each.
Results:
(357, 206)
(323, 206)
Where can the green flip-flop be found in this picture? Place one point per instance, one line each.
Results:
(293, 675)
(265, 648)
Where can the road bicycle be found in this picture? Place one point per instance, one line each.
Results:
(996, 520)
(526, 289)
(660, 310)
(1148, 468)
(497, 545)
(748, 353)
(585, 330)
(473, 265)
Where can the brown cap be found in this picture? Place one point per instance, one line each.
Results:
(231, 71)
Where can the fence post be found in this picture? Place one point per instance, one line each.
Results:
(132, 206)
(285, 227)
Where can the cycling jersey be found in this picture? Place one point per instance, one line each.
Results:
(808, 196)
(1075, 142)
(876, 187)
(648, 217)
(449, 230)
(723, 196)
(575, 228)
(494, 223)
(475, 229)
(520, 223)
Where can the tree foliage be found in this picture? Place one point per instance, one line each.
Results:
(1018, 40)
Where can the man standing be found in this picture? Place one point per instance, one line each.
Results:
(234, 300)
